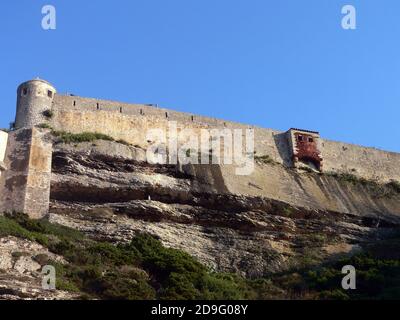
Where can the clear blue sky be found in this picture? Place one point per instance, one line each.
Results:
(277, 64)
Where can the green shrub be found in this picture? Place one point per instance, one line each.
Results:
(48, 114)
(44, 126)
(378, 190)
(10, 227)
(334, 295)
(67, 137)
(394, 185)
(145, 269)
(121, 141)
(349, 178)
(376, 278)
(287, 211)
(266, 159)
(141, 269)
(306, 169)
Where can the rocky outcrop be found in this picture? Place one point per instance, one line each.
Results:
(108, 191)
(20, 271)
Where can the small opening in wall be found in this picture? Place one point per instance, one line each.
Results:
(25, 91)
(300, 138)
(50, 94)
(120, 109)
(192, 117)
(310, 139)
(74, 103)
(97, 106)
(166, 114)
(141, 111)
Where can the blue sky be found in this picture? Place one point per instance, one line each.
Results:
(276, 64)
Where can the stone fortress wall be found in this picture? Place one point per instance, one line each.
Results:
(27, 150)
(130, 122)
(25, 184)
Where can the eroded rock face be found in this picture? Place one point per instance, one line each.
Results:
(109, 192)
(113, 195)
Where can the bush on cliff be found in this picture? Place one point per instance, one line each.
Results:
(141, 269)
(68, 137)
(145, 269)
(377, 189)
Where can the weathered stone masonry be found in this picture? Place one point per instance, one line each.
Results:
(131, 121)
(25, 153)
(25, 184)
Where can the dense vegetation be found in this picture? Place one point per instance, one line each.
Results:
(377, 270)
(144, 269)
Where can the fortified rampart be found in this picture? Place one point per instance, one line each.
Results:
(130, 122)
(25, 184)
(26, 168)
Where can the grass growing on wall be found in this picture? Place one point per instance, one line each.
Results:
(379, 190)
(395, 185)
(266, 159)
(44, 126)
(48, 113)
(67, 137)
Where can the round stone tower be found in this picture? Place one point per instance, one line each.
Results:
(34, 98)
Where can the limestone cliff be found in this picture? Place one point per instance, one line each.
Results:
(307, 201)
(107, 190)
(277, 220)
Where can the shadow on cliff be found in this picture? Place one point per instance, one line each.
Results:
(206, 178)
(282, 145)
